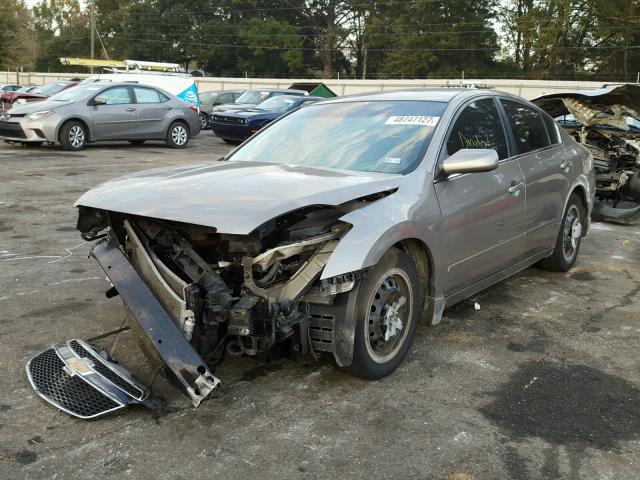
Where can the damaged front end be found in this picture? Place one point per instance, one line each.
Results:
(607, 122)
(194, 295)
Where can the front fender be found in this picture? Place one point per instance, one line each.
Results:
(380, 225)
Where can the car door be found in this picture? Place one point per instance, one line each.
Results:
(482, 213)
(546, 174)
(154, 110)
(114, 118)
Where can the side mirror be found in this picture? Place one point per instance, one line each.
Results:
(99, 101)
(470, 160)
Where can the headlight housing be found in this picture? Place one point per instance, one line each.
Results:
(20, 101)
(39, 115)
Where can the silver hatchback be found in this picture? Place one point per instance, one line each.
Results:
(102, 112)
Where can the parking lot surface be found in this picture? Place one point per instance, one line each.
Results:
(541, 382)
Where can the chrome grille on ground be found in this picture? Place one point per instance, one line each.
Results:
(107, 372)
(70, 393)
(75, 378)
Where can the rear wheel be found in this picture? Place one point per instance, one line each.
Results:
(177, 135)
(387, 316)
(73, 136)
(204, 121)
(136, 142)
(567, 246)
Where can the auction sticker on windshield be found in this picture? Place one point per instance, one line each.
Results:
(423, 120)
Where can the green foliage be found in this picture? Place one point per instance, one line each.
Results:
(564, 39)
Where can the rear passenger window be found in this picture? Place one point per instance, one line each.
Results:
(552, 129)
(148, 95)
(528, 128)
(478, 126)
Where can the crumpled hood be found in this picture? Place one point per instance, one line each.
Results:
(600, 106)
(233, 197)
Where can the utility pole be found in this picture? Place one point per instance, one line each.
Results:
(92, 16)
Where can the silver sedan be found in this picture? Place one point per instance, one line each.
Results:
(102, 112)
(340, 226)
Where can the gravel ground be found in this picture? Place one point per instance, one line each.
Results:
(543, 382)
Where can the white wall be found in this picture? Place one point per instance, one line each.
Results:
(525, 88)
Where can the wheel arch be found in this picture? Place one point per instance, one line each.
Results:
(79, 120)
(422, 257)
(178, 120)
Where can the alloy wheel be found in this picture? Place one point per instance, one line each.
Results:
(76, 136)
(179, 135)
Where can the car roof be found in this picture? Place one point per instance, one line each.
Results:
(443, 94)
(277, 90)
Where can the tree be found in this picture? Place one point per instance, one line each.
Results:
(17, 44)
(62, 30)
(435, 39)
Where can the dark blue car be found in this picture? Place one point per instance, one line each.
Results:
(238, 125)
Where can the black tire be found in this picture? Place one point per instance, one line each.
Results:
(73, 136)
(136, 142)
(567, 246)
(393, 278)
(204, 121)
(229, 141)
(177, 135)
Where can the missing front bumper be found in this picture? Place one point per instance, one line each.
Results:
(160, 334)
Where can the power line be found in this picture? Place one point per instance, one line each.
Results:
(393, 49)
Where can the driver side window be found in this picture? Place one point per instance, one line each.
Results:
(115, 96)
(478, 126)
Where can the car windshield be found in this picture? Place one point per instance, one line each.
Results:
(278, 104)
(253, 97)
(371, 136)
(51, 88)
(77, 93)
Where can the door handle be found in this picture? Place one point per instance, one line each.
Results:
(167, 108)
(130, 109)
(515, 187)
(567, 164)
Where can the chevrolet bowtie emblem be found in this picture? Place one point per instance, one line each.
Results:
(78, 366)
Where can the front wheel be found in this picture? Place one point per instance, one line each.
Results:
(567, 246)
(73, 136)
(204, 121)
(177, 135)
(388, 310)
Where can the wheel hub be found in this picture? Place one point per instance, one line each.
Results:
(392, 318)
(572, 232)
(388, 317)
